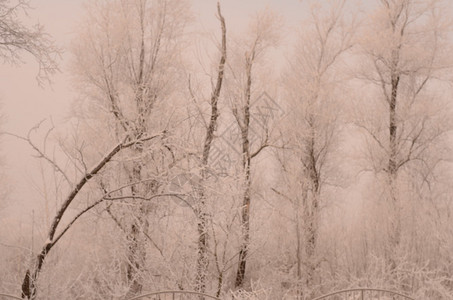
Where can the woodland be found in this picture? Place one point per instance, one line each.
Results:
(263, 163)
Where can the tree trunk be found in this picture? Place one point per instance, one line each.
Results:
(395, 222)
(245, 223)
(136, 255)
(201, 209)
(311, 208)
(244, 125)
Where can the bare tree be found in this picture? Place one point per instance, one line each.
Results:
(129, 60)
(311, 92)
(404, 63)
(263, 35)
(201, 210)
(29, 285)
(16, 38)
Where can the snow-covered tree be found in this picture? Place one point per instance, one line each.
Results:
(312, 90)
(127, 59)
(262, 35)
(16, 39)
(404, 47)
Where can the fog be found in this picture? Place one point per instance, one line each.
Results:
(241, 149)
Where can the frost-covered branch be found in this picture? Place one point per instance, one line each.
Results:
(29, 290)
(16, 38)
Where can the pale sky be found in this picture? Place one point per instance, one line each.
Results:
(25, 103)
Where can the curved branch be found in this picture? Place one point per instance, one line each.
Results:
(29, 283)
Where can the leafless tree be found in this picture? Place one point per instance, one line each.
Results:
(201, 210)
(263, 35)
(128, 60)
(403, 46)
(29, 285)
(311, 92)
(16, 38)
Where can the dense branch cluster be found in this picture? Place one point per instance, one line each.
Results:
(16, 38)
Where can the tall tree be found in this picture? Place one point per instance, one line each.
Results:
(311, 89)
(200, 208)
(128, 60)
(263, 35)
(405, 57)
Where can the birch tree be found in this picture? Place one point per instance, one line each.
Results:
(311, 88)
(127, 61)
(404, 49)
(263, 35)
(201, 205)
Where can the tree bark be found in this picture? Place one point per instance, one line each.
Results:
(392, 171)
(311, 208)
(246, 159)
(201, 209)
